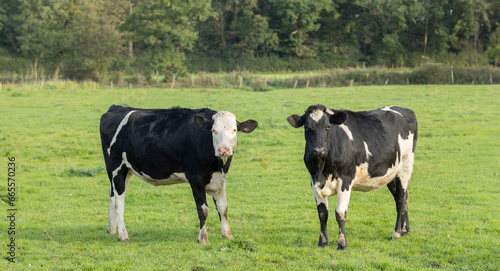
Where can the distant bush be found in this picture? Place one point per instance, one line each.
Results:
(482, 75)
(196, 63)
(431, 74)
(426, 74)
(13, 64)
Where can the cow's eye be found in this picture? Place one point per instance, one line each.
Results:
(327, 128)
(214, 131)
(307, 129)
(234, 131)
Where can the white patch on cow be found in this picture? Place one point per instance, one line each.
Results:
(204, 207)
(367, 151)
(224, 159)
(125, 161)
(342, 242)
(112, 215)
(175, 178)
(116, 209)
(388, 108)
(342, 199)
(407, 157)
(329, 189)
(217, 183)
(329, 111)
(224, 132)
(396, 235)
(318, 196)
(115, 172)
(112, 202)
(347, 131)
(119, 209)
(402, 168)
(203, 237)
(217, 189)
(316, 115)
(122, 123)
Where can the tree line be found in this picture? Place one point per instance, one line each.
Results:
(95, 39)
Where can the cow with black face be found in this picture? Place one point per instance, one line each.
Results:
(360, 151)
(169, 146)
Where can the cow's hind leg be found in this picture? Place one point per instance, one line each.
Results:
(119, 182)
(112, 212)
(400, 195)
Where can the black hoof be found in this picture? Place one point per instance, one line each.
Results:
(322, 245)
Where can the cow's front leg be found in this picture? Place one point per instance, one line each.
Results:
(322, 206)
(341, 214)
(221, 205)
(201, 206)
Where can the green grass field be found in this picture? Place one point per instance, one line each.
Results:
(61, 196)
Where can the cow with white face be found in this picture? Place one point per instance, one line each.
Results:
(223, 127)
(360, 151)
(169, 146)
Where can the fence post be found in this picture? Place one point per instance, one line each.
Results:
(111, 84)
(386, 82)
(173, 81)
(94, 85)
(36, 69)
(0, 85)
(307, 84)
(352, 81)
(452, 79)
(241, 81)
(41, 85)
(491, 79)
(295, 85)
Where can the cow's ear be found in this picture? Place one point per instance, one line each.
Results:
(203, 122)
(247, 126)
(296, 121)
(338, 118)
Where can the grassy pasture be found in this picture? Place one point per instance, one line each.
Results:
(62, 189)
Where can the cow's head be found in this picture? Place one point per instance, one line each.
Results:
(224, 127)
(317, 122)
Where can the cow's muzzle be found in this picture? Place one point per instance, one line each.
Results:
(224, 151)
(319, 152)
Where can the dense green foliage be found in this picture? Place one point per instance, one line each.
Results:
(101, 39)
(62, 191)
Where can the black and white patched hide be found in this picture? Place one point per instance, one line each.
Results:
(169, 146)
(361, 151)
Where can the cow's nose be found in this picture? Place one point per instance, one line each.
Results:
(223, 151)
(320, 152)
